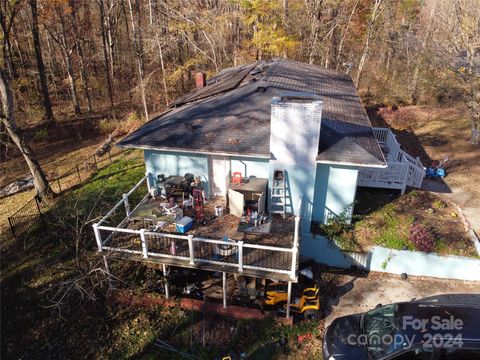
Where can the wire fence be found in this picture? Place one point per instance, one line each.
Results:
(30, 220)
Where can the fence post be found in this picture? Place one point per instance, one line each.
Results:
(12, 228)
(240, 256)
(59, 187)
(110, 156)
(98, 237)
(127, 205)
(404, 183)
(78, 172)
(41, 215)
(144, 243)
(190, 249)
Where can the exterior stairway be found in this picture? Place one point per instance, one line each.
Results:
(403, 170)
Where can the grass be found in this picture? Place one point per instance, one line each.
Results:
(391, 228)
(389, 224)
(32, 329)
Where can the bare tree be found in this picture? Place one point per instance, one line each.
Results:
(457, 29)
(8, 120)
(40, 65)
(138, 45)
(372, 22)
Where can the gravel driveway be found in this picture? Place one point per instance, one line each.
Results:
(353, 292)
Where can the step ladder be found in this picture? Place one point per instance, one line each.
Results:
(278, 200)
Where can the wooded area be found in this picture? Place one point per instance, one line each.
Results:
(140, 54)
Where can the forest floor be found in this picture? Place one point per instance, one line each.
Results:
(433, 133)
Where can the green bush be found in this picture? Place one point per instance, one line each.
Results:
(40, 134)
(339, 228)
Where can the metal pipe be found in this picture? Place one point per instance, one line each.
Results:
(289, 295)
(224, 289)
(167, 292)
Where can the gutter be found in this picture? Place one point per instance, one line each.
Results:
(196, 151)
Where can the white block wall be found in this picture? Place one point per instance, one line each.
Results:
(295, 128)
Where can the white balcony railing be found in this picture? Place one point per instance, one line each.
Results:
(191, 251)
(403, 170)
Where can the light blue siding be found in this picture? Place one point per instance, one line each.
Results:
(301, 183)
(250, 166)
(335, 190)
(175, 163)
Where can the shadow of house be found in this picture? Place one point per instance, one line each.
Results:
(413, 145)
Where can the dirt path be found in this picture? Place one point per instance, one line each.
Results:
(359, 293)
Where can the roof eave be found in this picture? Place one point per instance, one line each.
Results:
(194, 151)
(347, 163)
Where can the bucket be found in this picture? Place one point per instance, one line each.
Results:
(218, 210)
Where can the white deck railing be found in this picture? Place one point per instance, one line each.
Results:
(403, 170)
(188, 250)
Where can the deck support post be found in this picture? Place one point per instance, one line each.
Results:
(224, 289)
(98, 237)
(404, 184)
(296, 236)
(190, 249)
(240, 256)
(167, 291)
(107, 272)
(144, 243)
(127, 205)
(289, 298)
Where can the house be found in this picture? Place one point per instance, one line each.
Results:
(292, 139)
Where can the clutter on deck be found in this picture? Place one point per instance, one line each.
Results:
(179, 205)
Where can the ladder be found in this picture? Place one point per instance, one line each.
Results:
(278, 200)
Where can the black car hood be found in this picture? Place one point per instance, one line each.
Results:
(340, 339)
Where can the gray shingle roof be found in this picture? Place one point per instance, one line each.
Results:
(232, 114)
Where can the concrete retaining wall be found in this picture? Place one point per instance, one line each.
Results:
(386, 260)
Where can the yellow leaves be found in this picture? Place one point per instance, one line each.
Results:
(266, 19)
(180, 70)
(274, 41)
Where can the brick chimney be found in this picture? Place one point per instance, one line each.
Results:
(200, 79)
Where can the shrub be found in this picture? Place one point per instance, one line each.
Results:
(41, 134)
(421, 237)
(439, 204)
(340, 229)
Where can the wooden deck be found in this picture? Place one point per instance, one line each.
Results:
(272, 256)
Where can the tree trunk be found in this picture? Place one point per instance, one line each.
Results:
(40, 181)
(105, 53)
(366, 47)
(316, 15)
(67, 53)
(344, 35)
(71, 80)
(138, 52)
(83, 69)
(41, 67)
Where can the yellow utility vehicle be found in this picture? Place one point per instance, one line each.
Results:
(305, 300)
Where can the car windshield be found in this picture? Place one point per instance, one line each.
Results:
(382, 330)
